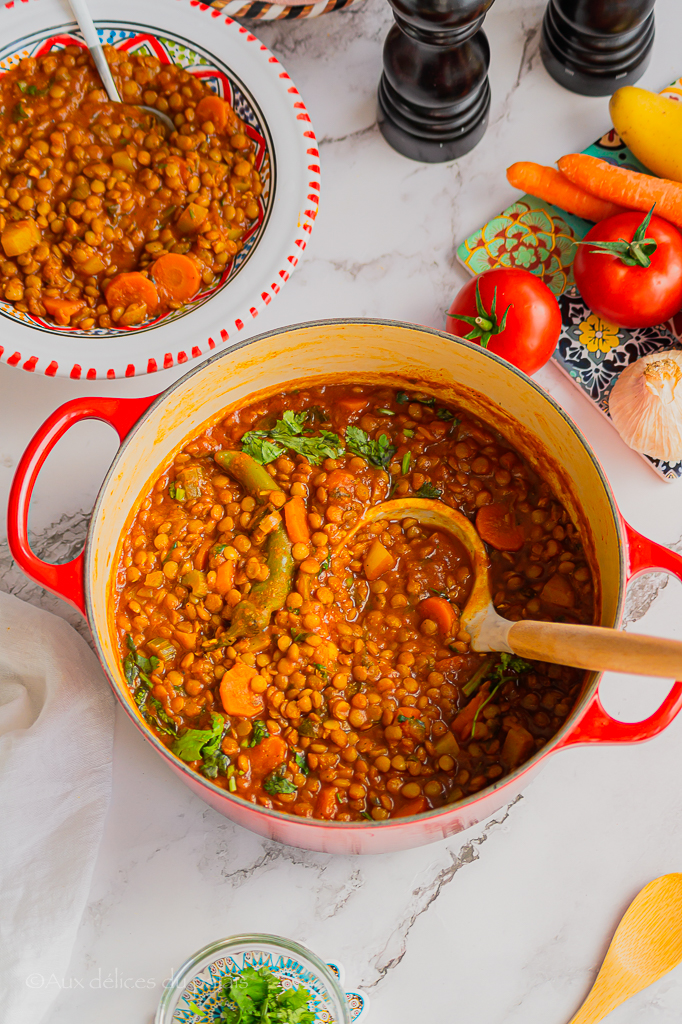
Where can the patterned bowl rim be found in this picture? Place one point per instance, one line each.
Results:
(234, 945)
(282, 240)
(259, 10)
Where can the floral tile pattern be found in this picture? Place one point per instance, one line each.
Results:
(541, 238)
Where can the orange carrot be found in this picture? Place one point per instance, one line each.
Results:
(218, 112)
(224, 577)
(409, 712)
(340, 484)
(236, 694)
(554, 187)
(463, 721)
(449, 664)
(177, 277)
(411, 807)
(496, 526)
(268, 755)
(440, 611)
(133, 287)
(351, 404)
(631, 189)
(296, 521)
(325, 805)
(62, 309)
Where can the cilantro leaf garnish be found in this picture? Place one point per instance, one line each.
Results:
(402, 398)
(260, 732)
(427, 490)
(301, 763)
(446, 415)
(276, 782)
(379, 452)
(195, 744)
(267, 445)
(258, 997)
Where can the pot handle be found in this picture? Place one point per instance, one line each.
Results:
(65, 580)
(596, 725)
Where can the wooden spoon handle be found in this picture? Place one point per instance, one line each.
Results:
(597, 648)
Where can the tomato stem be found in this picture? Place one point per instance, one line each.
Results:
(636, 253)
(486, 324)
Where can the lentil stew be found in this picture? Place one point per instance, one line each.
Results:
(106, 223)
(334, 681)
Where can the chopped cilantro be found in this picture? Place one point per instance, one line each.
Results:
(301, 763)
(260, 732)
(408, 433)
(258, 997)
(406, 463)
(18, 112)
(296, 636)
(200, 743)
(321, 670)
(267, 445)
(427, 490)
(402, 398)
(379, 452)
(276, 782)
(445, 414)
(176, 491)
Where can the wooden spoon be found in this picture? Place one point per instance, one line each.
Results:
(589, 647)
(647, 944)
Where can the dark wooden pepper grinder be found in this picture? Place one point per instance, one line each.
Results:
(434, 94)
(593, 47)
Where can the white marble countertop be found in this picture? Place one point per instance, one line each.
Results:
(508, 922)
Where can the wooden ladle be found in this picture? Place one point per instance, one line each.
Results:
(589, 647)
(647, 944)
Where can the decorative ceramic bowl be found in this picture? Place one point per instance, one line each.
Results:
(237, 66)
(197, 984)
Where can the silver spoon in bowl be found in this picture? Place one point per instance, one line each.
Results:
(87, 27)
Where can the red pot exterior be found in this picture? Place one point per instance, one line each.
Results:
(374, 351)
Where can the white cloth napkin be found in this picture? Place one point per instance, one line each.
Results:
(56, 731)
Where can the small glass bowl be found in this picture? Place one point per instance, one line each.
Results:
(200, 978)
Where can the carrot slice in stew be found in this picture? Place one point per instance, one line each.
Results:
(496, 526)
(340, 484)
(176, 276)
(224, 576)
(325, 806)
(411, 807)
(296, 521)
(219, 112)
(62, 309)
(268, 755)
(440, 611)
(127, 288)
(235, 693)
(461, 724)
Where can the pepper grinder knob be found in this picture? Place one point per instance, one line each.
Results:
(434, 94)
(594, 47)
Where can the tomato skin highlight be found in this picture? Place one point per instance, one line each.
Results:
(533, 322)
(631, 296)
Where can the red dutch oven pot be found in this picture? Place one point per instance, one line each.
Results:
(153, 430)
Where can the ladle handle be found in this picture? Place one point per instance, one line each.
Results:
(82, 15)
(596, 648)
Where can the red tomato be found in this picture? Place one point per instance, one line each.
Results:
(531, 330)
(631, 296)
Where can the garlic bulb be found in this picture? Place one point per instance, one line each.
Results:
(646, 405)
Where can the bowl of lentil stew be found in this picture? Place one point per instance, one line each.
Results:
(111, 233)
(357, 719)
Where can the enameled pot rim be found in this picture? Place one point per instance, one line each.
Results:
(349, 826)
